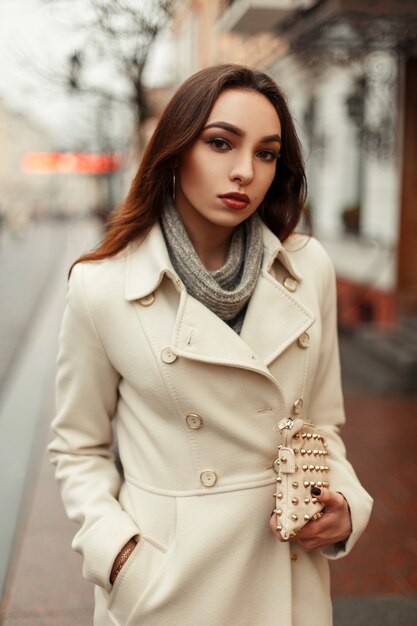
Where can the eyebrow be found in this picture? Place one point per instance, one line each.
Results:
(239, 133)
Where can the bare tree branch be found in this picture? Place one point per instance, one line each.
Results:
(120, 33)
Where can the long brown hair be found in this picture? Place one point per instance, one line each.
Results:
(178, 128)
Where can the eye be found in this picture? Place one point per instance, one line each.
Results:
(268, 155)
(221, 145)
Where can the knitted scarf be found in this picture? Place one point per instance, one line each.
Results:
(225, 291)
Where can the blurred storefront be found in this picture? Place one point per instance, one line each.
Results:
(27, 192)
(350, 71)
(20, 195)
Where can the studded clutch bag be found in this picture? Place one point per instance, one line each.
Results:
(301, 464)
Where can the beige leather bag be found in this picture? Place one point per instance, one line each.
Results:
(300, 465)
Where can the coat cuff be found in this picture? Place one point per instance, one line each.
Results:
(101, 543)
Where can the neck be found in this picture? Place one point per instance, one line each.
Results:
(238, 259)
(210, 241)
(212, 254)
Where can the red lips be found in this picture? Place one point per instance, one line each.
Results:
(235, 200)
(241, 197)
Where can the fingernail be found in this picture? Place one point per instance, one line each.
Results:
(316, 491)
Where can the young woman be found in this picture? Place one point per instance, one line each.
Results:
(198, 324)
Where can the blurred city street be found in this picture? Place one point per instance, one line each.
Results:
(374, 586)
(81, 92)
(35, 536)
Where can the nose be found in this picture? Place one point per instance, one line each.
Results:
(242, 169)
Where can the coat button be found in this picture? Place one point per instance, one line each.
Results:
(194, 421)
(208, 478)
(147, 300)
(297, 406)
(304, 340)
(168, 356)
(290, 283)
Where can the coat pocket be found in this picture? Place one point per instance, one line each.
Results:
(134, 579)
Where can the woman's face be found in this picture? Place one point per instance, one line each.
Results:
(223, 177)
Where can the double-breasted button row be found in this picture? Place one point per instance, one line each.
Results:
(194, 421)
(168, 356)
(208, 477)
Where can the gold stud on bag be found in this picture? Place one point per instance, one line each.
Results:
(301, 464)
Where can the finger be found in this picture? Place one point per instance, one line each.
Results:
(315, 530)
(329, 499)
(316, 533)
(333, 526)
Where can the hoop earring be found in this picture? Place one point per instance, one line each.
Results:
(173, 187)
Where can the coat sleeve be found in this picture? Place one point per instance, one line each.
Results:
(327, 412)
(87, 393)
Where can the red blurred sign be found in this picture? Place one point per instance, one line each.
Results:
(71, 162)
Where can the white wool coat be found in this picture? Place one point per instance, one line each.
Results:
(194, 406)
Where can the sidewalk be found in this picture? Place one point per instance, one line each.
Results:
(34, 531)
(45, 586)
(376, 585)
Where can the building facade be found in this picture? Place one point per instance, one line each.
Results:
(26, 193)
(349, 70)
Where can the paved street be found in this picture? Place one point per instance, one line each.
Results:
(374, 586)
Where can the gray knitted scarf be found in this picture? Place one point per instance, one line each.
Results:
(225, 291)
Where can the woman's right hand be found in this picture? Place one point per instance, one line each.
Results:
(121, 559)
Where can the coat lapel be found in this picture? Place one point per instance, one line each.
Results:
(200, 335)
(274, 319)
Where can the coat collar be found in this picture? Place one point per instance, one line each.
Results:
(147, 262)
(274, 319)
